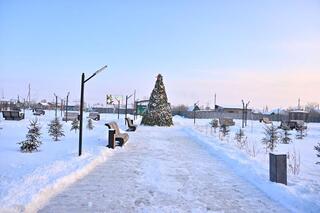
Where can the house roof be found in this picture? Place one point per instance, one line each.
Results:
(298, 111)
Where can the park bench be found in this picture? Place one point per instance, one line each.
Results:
(38, 112)
(130, 124)
(116, 135)
(13, 115)
(265, 120)
(94, 115)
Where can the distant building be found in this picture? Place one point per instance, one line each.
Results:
(233, 110)
(299, 115)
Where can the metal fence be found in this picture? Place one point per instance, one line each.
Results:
(210, 114)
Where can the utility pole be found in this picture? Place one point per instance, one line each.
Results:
(244, 113)
(61, 107)
(118, 100)
(56, 105)
(126, 110)
(29, 95)
(215, 100)
(195, 108)
(67, 107)
(134, 105)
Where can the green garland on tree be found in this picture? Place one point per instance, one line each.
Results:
(159, 111)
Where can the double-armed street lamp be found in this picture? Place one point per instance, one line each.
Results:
(56, 105)
(126, 111)
(118, 100)
(244, 113)
(83, 81)
(67, 106)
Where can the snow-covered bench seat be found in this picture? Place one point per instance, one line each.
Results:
(13, 115)
(130, 124)
(265, 120)
(122, 138)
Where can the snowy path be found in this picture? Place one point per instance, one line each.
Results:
(161, 170)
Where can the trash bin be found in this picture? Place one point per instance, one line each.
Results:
(111, 141)
(278, 168)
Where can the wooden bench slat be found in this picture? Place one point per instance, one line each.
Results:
(121, 137)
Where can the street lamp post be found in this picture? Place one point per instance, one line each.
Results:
(126, 111)
(118, 100)
(83, 81)
(134, 105)
(244, 113)
(195, 108)
(56, 105)
(61, 107)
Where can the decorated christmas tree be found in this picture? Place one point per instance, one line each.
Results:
(159, 111)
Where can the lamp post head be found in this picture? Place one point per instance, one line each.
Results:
(101, 69)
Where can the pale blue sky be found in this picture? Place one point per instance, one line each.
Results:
(238, 49)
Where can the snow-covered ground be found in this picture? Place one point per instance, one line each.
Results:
(252, 162)
(27, 180)
(56, 164)
(162, 170)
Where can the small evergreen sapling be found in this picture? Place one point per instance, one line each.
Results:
(317, 148)
(271, 137)
(300, 133)
(285, 137)
(294, 162)
(214, 124)
(75, 125)
(90, 124)
(224, 130)
(32, 141)
(241, 139)
(55, 129)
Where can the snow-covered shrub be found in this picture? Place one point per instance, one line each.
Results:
(224, 130)
(55, 129)
(294, 162)
(301, 133)
(241, 139)
(214, 124)
(32, 141)
(317, 148)
(75, 125)
(271, 137)
(90, 124)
